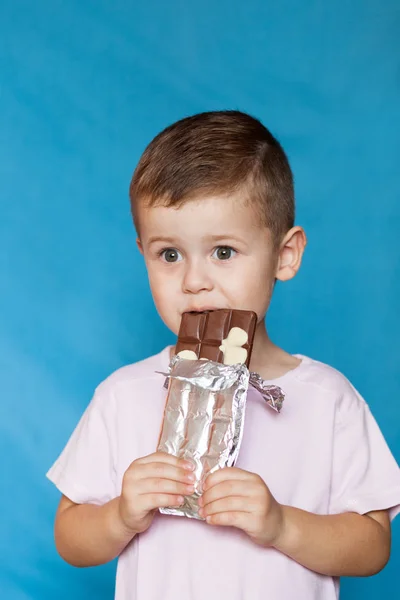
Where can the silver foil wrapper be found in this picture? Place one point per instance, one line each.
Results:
(204, 418)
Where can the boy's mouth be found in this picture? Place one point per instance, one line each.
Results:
(203, 309)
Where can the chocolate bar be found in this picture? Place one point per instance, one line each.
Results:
(205, 408)
(223, 336)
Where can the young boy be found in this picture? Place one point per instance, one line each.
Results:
(315, 487)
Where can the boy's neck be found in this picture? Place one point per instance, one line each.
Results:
(268, 360)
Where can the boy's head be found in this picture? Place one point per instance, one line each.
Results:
(213, 204)
(222, 153)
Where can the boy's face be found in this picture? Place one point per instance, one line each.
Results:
(207, 254)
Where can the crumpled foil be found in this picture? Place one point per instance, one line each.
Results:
(204, 418)
(272, 394)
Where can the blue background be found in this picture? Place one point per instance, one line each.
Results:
(85, 85)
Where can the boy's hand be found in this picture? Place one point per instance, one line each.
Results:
(150, 483)
(241, 499)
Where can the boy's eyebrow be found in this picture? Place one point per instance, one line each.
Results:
(208, 238)
(160, 238)
(221, 238)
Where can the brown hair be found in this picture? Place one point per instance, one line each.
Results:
(220, 152)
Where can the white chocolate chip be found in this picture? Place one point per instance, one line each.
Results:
(187, 354)
(231, 347)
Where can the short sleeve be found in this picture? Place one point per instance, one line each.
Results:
(85, 471)
(365, 475)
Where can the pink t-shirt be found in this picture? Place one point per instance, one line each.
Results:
(323, 453)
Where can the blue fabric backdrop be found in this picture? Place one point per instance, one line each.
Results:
(84, 86)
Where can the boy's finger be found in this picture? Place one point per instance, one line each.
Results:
(164, 471)
(230, 519)
(228, 473)
(225, 489)
(229, 504)
(164, 486)
(153, 501)
(163, 457)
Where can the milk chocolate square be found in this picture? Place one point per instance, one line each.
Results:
(209, 334)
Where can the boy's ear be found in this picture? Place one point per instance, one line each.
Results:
(139, 245)
(291, 253)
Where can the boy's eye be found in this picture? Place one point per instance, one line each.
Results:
(224, 253)
(171, 255)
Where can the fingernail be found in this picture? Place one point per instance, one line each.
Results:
(189, 466)
(190, 488)
(201, 512)
(190, 477)
(180, 499)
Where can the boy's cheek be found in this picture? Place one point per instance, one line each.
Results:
(164, 293)
(160, 286)
(165, 299)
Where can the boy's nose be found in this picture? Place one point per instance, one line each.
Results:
(196, 279)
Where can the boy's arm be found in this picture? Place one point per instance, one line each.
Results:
(348, 544)
(87, 535)
(338, 545)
